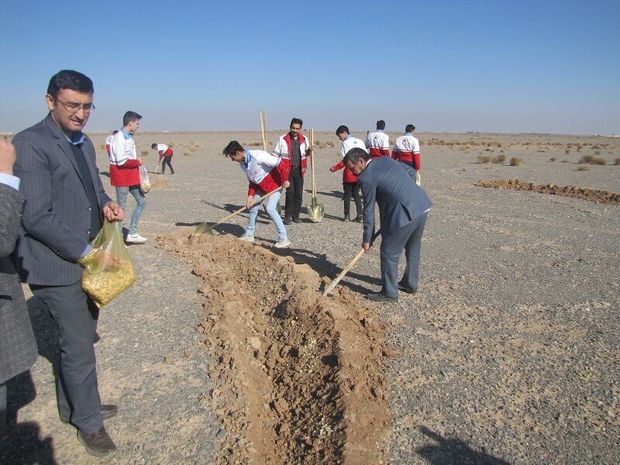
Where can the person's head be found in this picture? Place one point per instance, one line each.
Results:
(356, 159)
(69, 99)
(381, 124)
(153, 145)
(295, 127)
(131, 121)
(234, 151)
(342, 132)
(409, 128)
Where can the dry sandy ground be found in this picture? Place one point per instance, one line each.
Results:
(227, 353)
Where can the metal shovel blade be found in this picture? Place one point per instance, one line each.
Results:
(205, 228)
(317, 211)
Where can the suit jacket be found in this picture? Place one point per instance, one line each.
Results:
(56, 221)
(18, 349)
(389, 183)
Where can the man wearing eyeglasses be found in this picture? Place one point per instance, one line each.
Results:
(65, 203)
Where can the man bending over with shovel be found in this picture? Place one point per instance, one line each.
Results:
(267, 175)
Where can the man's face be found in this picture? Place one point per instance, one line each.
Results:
(356, 168)
(133, 126)
(342, 135)
(63, 109)
(238, 156)
(295, 129)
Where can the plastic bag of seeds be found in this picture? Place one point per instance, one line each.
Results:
(145, 182)
(108, 270)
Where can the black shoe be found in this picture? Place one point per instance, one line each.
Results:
(288, 220)
(379, 297)
(107, 411)
(358, 219)
(296, 220)
(404, 288)
(99, 443)
(346, 219)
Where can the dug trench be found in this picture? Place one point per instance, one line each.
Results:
(299, 378)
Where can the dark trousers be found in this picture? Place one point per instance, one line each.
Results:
(352, 189)
(294, 194)
(409, 238)
(76, 316)
(166, 161)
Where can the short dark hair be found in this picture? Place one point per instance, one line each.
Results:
(380, 124)
(154, 145)
(232, 148)
(130, 116)
(342, 129)
(409, 128)
(72, 80)
(296, 121)
(355, 154)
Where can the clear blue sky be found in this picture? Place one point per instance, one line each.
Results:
(479, 65)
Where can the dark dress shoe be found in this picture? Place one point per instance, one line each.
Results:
(297, 220)
(379, 297)
(404, 288)
(346, 219)
(99, 443)
(288, 221)
(358, 219)
(107, 411)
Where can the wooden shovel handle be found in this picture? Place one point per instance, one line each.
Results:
(261, 116)
(236, 212)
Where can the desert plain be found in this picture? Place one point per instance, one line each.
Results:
(227, 352)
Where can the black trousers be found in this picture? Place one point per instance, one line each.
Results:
(294, 194)
(352, 189)
(76, 316)
(166, 161)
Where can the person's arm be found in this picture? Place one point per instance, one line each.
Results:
(369, 191)
(337, 167)
(11, 201)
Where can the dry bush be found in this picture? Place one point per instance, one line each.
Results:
(579, 147)
(592, 160)
(617, 161)
(566, 152)
(597, 153)
(583, 168)
(482, 159)
(144, 153)
(516, 161)
(552, 159)
(499, 159)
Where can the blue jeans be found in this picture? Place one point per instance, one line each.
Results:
(272, 203)
(121, 198)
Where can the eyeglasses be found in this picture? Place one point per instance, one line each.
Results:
(74, 107)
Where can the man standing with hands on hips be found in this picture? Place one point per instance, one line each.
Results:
(403, 207)
(65, 203)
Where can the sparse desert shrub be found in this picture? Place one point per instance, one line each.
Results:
(617, 161)
(515, 161)
(578, 147)
(482, 159)
(597, 152)
(552, 159)
(592, 160)
(583, 168)
(566, 152)
(144, 153)
(499, 159)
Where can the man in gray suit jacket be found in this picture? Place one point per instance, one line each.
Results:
(403, 208)
(65, 202)
(18, 349)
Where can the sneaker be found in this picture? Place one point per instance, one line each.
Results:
(98, 443)
(246, 238)
(282, 244)
(135, 239)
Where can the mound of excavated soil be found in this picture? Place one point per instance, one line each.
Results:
(564, 191)
(299, 376)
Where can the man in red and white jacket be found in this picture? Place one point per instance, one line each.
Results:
(125, 172)
(407, 150)
(266, 173)
(165, 154)
(294, 148)
(378, 142)
(350, 185)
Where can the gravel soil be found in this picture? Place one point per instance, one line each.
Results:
(509, 352)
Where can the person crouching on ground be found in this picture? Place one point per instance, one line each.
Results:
(266, 173)
(165, 156)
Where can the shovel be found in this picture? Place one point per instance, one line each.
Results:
(316, 210)
(206, 228)
(347, 268)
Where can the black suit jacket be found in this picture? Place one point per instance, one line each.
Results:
(56, 219)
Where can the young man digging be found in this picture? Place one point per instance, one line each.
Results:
(266, 173)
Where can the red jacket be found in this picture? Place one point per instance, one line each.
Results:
(125, 175)
(273, 180)
(347, 175)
